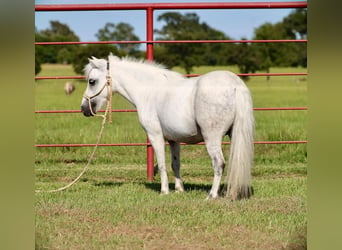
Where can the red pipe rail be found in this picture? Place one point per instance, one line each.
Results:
(177, 41)
(149, 8)
(163, 6)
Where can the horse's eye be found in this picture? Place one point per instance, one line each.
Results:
(91, 81)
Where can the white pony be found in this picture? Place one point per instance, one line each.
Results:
(177, 109)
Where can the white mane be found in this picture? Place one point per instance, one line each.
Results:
(141, 61)
(144, 65)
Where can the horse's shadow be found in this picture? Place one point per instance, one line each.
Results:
(108, 184)
(155, 186)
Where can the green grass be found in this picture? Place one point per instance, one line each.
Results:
(114, 207)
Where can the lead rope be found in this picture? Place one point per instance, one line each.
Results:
(108, 110)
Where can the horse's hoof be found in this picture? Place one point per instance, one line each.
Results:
(164, 192)
(211, 197)
(179, 189)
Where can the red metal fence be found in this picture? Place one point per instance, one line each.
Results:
(149, 8)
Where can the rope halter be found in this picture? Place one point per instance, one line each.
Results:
(108, 84)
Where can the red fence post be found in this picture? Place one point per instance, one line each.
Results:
(149, 56)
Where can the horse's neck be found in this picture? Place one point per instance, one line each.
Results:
(135, 82)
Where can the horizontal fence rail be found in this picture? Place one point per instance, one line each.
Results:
(163, 6)
(177, 41)
(149, 8)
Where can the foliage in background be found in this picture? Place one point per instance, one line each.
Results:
(279, 54)
(189, 27)
(58, 32)
(295, 23)
(245, 57)
(37, 66)
(249, 57)
(120, 32)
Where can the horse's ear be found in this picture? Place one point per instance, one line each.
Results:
(91, 62)
(97, 63)
(92, 59)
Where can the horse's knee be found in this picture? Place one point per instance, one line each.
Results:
(218, 165)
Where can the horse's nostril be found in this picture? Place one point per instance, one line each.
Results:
(86, 109)
(87, 114)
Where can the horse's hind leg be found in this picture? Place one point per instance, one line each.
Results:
(175, 158)
(215, 152)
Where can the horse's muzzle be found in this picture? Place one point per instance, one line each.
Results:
(86, 109)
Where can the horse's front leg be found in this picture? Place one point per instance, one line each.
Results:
(158, 144)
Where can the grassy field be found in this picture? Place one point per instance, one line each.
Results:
(114, 207)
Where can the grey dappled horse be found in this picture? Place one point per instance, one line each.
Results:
(177, 109)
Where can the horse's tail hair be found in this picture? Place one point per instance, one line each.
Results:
(242, 147)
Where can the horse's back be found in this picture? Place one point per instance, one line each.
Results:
(222, 77)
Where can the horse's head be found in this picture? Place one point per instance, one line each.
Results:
(96, 93)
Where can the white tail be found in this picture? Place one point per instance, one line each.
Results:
(242, 147)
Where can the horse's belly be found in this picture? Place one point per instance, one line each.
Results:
(180, 125)
(181, 136)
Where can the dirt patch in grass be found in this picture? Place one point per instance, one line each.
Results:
(233, 237)
(299, 240)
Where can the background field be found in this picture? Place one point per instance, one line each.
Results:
(113, 206)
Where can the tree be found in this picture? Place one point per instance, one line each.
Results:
(275, 54)
(188, 55)
(283, 54)
(246, 58)
(57, 32)
(120, 32)
(295, 23)
(37, 67)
